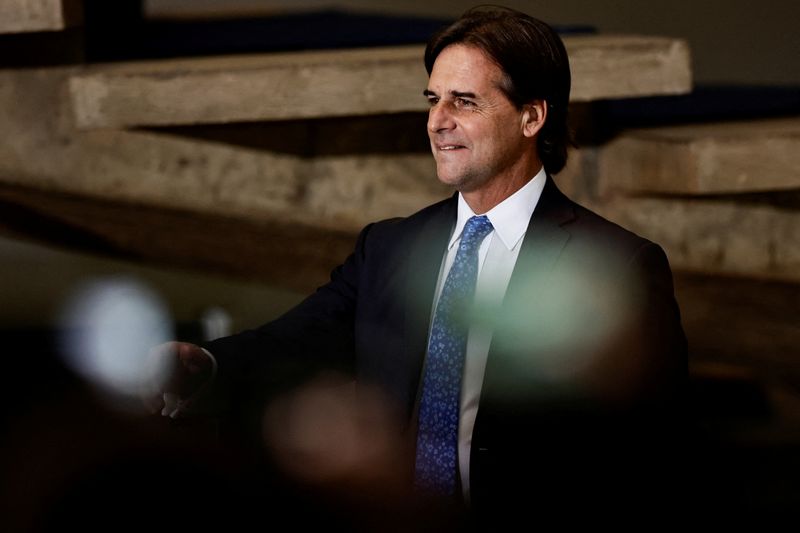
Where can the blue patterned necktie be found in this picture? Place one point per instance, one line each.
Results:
(437, 437)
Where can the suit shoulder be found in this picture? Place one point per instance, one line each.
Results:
(401, 227)
(584, 225)
(385, 246)
(605, 232)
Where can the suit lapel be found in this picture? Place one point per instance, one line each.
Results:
(544, 240)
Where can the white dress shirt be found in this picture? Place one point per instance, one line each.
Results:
(497, 256)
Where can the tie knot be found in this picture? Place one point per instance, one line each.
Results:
(476, 229)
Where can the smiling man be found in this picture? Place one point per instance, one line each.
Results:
(525, 345)
(483, 144)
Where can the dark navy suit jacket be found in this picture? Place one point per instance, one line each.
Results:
(587, 346)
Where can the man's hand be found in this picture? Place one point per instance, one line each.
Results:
(176, 372)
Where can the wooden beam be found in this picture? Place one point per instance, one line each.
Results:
(716, 236)
(19, 16)
(760, 155)
(249, 88)
(282, 254)
(626, 66)
(753, 235)
(338, 83)
(741, 321)
(339, 191)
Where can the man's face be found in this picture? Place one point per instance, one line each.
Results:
(476, 133)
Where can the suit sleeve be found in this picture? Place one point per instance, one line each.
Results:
(658, 336)
(317, 334)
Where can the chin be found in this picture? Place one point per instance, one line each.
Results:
(451, 177)
(454, 182)
(461, 182)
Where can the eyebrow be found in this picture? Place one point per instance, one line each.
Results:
(457, 94)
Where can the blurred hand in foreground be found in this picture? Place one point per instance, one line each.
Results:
(175, 373)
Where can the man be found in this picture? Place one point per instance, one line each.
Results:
(526, 345)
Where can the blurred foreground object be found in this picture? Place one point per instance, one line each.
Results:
(107, 328)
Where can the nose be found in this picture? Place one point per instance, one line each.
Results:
(440, 118)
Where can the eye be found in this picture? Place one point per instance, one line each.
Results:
(463, 102)
(432, 100)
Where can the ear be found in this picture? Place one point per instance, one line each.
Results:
(533, 116)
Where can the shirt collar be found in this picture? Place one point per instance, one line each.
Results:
(510, 217)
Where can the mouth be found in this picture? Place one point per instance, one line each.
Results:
(449, 147)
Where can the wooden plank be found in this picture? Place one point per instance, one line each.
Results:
(752, 235)
(338, 191)
(716, 236)
(744, 349)
(625, 66)
(19, 16)
(741, 321)
(247, 88)
(338, 83)
(760, 155)
(283, 254)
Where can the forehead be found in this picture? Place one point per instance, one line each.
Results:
(461, 67)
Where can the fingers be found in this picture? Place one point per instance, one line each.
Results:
(194, 369)
(153, 403)
(174, 372)
(157, 369)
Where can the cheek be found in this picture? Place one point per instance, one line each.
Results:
(509, 134)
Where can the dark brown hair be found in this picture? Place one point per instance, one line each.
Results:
(534, 63)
